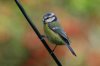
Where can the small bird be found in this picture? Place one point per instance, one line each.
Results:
(54, 33)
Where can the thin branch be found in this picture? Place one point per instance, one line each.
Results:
(38, 33)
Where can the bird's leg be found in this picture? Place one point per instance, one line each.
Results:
(43, 36)
(54, 49)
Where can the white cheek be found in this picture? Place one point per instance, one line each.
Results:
(50, 19)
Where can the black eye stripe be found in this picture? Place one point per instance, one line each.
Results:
(48, 17)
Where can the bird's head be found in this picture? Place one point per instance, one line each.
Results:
(49, 17)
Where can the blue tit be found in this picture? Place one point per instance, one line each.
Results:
(54, 33)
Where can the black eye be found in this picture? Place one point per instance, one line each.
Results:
(45, 18)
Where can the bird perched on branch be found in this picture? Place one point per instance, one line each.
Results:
(54, 33)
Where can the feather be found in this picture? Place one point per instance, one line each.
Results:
(57, 29)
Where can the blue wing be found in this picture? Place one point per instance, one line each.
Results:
(57, 29)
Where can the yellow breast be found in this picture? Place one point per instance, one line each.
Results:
(52, 36)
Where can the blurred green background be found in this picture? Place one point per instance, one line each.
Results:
(19, 45)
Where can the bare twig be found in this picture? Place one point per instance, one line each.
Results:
(38, 33)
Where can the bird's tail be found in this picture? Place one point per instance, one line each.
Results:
(72, 51)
